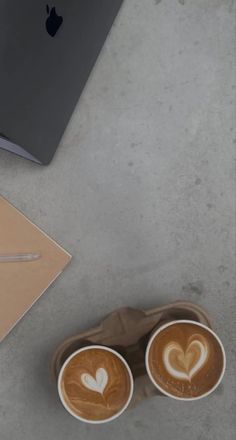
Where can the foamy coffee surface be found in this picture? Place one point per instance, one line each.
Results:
(185, 360)
(95, 384)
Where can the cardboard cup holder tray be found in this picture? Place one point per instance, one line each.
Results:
(127, 331)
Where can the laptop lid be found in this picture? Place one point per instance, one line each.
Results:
(47, 52)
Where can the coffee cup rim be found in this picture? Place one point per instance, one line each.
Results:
(115, 416)
(199, 324)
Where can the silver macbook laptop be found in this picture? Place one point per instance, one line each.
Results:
(46, 54)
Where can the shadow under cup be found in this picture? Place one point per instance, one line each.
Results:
(95, 384)
(185, 360)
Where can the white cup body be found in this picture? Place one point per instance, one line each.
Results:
(115, 416)
(184, 321)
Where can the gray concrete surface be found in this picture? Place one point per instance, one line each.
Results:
(142, 192)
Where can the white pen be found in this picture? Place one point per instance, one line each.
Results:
(13, 258)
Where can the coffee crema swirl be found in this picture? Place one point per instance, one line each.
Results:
(95, 384)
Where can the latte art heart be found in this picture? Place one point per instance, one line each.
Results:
(182, 364)
(97, 384)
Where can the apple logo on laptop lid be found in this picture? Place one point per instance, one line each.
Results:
(53, 22)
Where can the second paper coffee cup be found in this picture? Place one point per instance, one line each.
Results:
(95, 384)
(185, 360)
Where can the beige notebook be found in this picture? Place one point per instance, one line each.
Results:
(29, 262)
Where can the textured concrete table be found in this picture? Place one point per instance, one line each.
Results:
(141, 191)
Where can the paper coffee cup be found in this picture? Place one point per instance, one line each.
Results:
(181, 358)
(95, 384)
